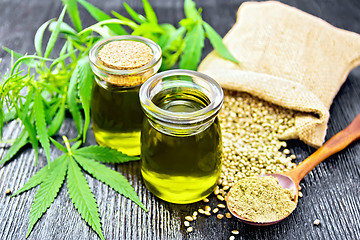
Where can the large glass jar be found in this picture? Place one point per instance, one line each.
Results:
(181, 147)
(115, 107)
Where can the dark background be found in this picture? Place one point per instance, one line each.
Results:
(331, 191)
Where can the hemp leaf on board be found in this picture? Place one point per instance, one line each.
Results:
(69, 166)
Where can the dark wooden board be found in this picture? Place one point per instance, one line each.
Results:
(331, 190)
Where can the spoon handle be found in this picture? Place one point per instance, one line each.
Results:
(335, 144)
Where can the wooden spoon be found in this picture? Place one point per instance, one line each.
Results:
(292, 178)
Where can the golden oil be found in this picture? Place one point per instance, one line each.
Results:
(181, 169)
(117, 118)
(120, 64)
(180, 154)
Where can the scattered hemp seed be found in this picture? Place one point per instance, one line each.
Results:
(221, 198)
(216, 191)
(186, 223)
(195, 214)
(206, 200)
(189, 229)
(231, 238)
(235, 232)
(207, 213)
(286, 151)
(220, 216)
(221, 190)
(215, 210)
(228, 215)
(201, 211)
(300, 194)
(8, 191)
(317, 222)
(221, 205)
(207, 208)
(189, 218)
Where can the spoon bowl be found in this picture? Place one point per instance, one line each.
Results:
(291, 179)
(285, 182)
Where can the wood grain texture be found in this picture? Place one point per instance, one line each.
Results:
(331, 191)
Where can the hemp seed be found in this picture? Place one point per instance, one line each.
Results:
(8, 191)
(215, 210)
(189, 218)
(186, 224)
(189, 229)
(201, 211)
(221, 198)
(220, 205)
(235, 232)
(286, 151)
(207, 213)
(317, 222)
(206, 200)
(220, 216)
(228, 215)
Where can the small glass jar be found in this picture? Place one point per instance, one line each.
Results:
(181, 145)
(115, 107)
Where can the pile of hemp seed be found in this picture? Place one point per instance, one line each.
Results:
(251, 130)
(251, 146)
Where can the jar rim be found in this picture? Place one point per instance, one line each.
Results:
(155, 48)
(201, 115)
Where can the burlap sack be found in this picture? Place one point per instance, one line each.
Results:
(289, 58)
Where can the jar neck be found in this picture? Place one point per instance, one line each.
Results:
(181, 102)
(179, 130)
(113, 87)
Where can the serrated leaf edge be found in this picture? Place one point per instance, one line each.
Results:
(40, 124)
(103, 173)
(74, 169)
(46, 194)
(39, 176)
(92, 151)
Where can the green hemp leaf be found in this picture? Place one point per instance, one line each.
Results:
(69, 166)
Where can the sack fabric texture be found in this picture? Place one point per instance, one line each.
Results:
(289, 58)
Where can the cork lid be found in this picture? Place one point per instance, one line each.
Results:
(124, 61)
(125, 54)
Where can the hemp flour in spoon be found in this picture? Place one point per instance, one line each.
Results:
(261, 199)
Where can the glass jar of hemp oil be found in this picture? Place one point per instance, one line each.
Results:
(120, 64)
(181, 146)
